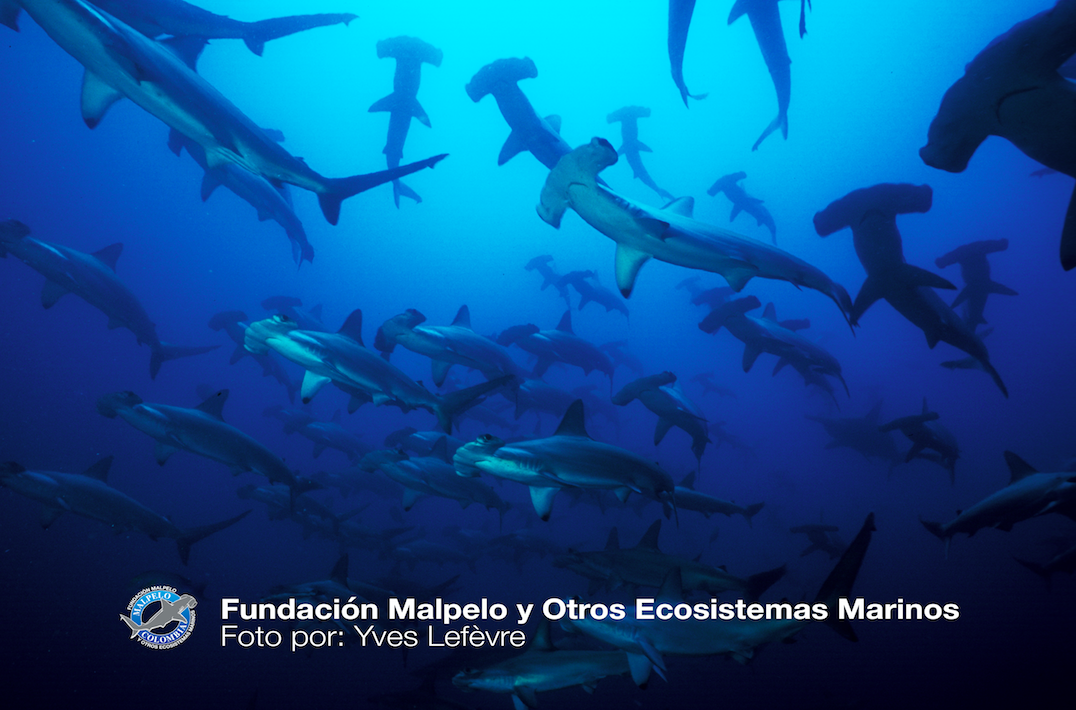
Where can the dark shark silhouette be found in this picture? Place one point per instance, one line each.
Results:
(871, 213)
(628, 117)
(975, 270)
(742, 202)
(680, 12)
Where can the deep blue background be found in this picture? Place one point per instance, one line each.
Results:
(865, 83)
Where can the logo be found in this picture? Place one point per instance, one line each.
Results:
(160, 618)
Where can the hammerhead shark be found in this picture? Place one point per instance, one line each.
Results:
(402, 104)
(871, 213)
(669, 234)
(176, 18)
(742, 202)
(91, 277)
(1013, 89)
(121, 62)
(632, 147)
(975, 270)
(540, 136)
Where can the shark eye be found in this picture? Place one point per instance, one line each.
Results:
(283, 318)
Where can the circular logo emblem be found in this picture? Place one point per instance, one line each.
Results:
(160, 618)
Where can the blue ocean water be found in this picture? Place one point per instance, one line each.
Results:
(866, 81)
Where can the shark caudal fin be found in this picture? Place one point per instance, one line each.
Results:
(751, 511)
(839, 582)
(256, 34)
(189, 537)
(455, 403)
(780, 122)
(165, 352)
(759, 583)
(339, 189)
(401, 190)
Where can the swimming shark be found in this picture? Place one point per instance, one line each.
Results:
(234, 324)
(176, 18)
(766, 22)
(549, 276)
(568, 459)
(169, 612)
(331, 435)
(647, 642)
(706, 381)
(539, 136)
(618, 352)
(861, 434)
(662, 395)
(271, 201)
(159, 76)
(402, 104)
(742, 202)
(975, 270)
(590, 290)
(203, 431)
(558, 345)
(926, 433)
(1012, 89)
(342, 358)
(1028, 495)
(445, 345)
(668, 234)
(767, 335)
(820, 539)
(292, 307)
(89, 495)
(687, 498)
(871, 214)
(645, 565)
(680, 12)
(542, 667)
(91, 277)
(632, 147)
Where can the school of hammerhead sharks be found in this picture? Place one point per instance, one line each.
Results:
(147, 51)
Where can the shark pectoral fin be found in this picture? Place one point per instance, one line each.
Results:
(628, 262)
(871, 290)
(384, 104)
(418, 112)
(312, 384)
(736, 209)
(210, 182)
(318, 448)
(49, 514)
(779, 366)
(1001, 290)
(51, 294)
(643, 147)
(750, 354)
(622, 494)
(440, 370)
(511, 148)
(97, 98)
(652, 653)
(175, 141)
(914, 276)
(542, 499)
(640, 667)
(161, 452)
(738, 274)
(526, 695)
(960, 298)
(661, 430)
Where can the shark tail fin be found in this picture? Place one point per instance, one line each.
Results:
(164, 352)
(1037, 569)
(995, 376)
(781, 121)
(339, 189)
(188, 538)
(455, 403)
(759, 583)
(256, 34)
(131, 625)
(839, 582)
(751, 511)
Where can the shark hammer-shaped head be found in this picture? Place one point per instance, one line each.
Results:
(580, 167)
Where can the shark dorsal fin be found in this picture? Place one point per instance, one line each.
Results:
(186, 48)
(463, 317)
(770, 312)
(352, 327)
(339, 572)
(672, 587)
(440, 449)
(689, 481)
(573, 423)
(214, 405)
(875, 413)
(650, 537)
(683, 206)
(565, 325)
(613, 543)
(109, 254)
(542, 641)
(1019, 468)
(99, 470)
